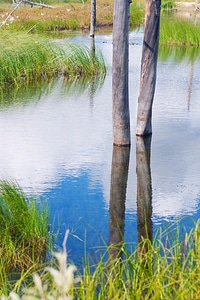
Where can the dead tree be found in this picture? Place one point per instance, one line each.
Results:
(148, 67)
(121, 117)
(92, 18)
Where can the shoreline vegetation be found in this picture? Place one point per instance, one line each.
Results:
(166, 268)
(26, 59)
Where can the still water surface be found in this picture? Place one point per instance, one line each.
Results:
(57, 143)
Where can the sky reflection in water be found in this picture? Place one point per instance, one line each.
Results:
(59, 146)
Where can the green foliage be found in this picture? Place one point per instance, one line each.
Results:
(23, 228)
(167, 268)
(25, 58)
(179, 32)
(167, 5)
(136, 14)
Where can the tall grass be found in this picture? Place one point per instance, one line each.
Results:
(179, 32)
(163, 269)
(26, 58)
(24, 233)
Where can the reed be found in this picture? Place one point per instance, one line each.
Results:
(26, 58)
(24, 233)
(167, 268)
(179, 32)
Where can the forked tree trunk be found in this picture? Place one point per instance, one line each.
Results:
(92, 18)
(148, 67)
(121, 117)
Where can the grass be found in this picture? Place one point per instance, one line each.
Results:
(26, 59)
(167, 268)
(66, 16)
(24, 233)
(179, 32)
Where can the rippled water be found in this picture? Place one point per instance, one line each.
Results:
(58, 145)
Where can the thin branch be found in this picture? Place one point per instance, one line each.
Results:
(37, 4)
(10, 14)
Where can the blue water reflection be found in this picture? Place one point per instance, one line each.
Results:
(59, 147)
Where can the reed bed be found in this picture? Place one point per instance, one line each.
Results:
(179, 32)
(26, 59)
(24, 229)
(167, 268)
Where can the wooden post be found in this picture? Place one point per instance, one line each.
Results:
(148, 67)
(92, 18)
(121, 117)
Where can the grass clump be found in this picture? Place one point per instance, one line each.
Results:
(26, 58)
(167, 268)
(179, 32)
(24, 232)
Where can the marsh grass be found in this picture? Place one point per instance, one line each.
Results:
(167, 268)
(26, 59)
(179, 32)
(66, 15)
(24, 233)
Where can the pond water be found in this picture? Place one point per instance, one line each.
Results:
(57, 143)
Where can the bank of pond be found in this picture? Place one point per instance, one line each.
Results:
(26, 58)
(164, 267)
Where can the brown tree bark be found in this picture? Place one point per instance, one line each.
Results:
(148, 67)
(121, 117)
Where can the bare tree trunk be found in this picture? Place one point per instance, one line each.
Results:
(121, 117)
(92, 17)
(148, 67)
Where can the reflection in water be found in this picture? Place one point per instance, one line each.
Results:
(190, 84)
(144, 188)
(92, 82)
(119, 175)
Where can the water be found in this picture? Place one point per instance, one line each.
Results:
(57, 143)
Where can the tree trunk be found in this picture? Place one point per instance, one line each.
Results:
(92, 18)
(121, 117)
(148, 67)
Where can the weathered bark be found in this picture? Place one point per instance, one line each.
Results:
(119, 176)
(121, 117)
(148, 67)
(92, 17)
(144, 189)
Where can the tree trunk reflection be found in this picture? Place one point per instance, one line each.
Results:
(119, 176)
(144, 189)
